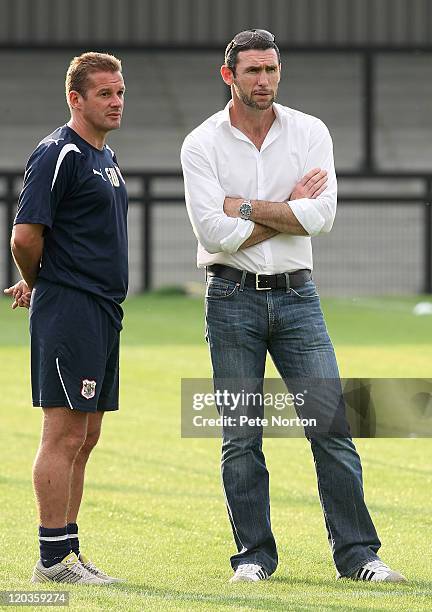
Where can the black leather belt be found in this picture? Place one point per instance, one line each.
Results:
(261, 282)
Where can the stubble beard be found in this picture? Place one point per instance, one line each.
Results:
(248, 101)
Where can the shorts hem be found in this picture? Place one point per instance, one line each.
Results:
(62, 404)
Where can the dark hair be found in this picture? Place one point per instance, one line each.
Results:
(257, 41)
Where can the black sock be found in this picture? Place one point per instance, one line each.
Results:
(72, 529)
(54, 545)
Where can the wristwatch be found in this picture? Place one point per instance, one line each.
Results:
(245, 209)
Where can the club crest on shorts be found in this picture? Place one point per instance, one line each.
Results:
(88, 389)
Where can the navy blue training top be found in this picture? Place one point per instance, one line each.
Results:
(79, 194)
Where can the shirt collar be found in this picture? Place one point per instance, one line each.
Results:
(224, 116)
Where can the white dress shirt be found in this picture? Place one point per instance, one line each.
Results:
(218, 160)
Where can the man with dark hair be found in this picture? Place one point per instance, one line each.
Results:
(259, 182)
(69, 243)
(245, 41)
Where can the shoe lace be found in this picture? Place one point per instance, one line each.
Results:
(377, 564)
(90, 565)
(248, 568)
(78, 569)
(93, 569)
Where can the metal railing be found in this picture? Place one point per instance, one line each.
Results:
(148, 196)
(145, 195)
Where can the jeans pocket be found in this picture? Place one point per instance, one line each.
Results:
(220, 288)
(306, 291)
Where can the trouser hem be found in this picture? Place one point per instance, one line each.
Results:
(256, 561)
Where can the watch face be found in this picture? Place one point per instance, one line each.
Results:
(245, 210)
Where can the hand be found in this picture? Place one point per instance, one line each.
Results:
(232, 206)
(20, 293)
(311, 185)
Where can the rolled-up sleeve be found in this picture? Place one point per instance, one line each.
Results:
(317, 215)
(205, 197)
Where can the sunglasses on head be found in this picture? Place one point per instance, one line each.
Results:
(244, 38)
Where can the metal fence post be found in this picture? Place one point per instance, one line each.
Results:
(428, 237)
(147, 235)
(369, 60)
(10, 207)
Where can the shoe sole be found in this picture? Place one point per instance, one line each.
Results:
(244, 579)
(393, 577)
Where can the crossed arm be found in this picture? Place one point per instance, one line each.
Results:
(273, 218)
(270, 218)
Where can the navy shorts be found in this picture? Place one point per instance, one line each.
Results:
(74, 350)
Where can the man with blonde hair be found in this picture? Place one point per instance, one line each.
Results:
(69, 243)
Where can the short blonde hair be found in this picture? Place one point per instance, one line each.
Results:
(82, 66)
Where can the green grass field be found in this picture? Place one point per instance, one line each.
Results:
(153, 510)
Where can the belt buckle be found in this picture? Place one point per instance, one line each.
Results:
(257, 287)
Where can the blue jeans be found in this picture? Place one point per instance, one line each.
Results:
(242, 324)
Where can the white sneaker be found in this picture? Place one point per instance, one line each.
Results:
(377, 571)
(249, 572)
(93, 569)
(69, 570)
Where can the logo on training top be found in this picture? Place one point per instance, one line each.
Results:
(99, 173)
(112, 175)
(88, 388)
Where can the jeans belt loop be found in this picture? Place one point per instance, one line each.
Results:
(243, 279)
(287, 282)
